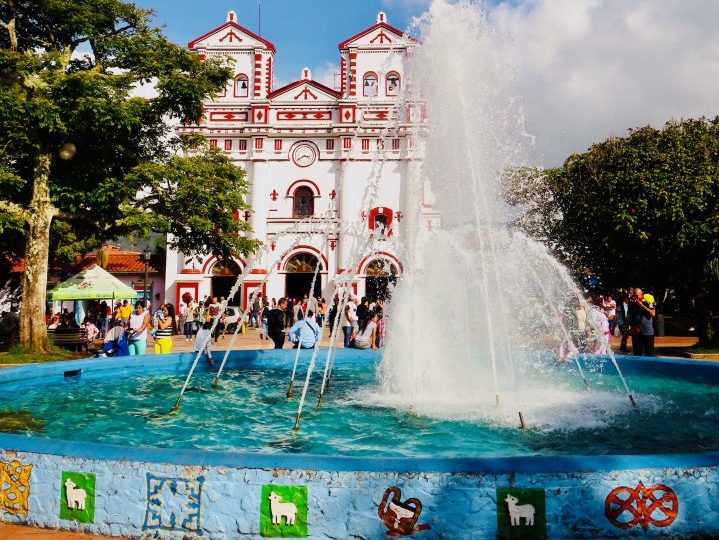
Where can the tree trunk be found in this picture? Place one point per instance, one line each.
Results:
(706, 325)
(33, 332)
(10, 26)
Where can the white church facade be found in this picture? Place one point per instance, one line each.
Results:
(309, 150)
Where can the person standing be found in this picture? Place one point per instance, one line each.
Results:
(623, 319)
(189, 321)
(139, 321)
(609, 306)
(166, 327)
(381, 331)
(125, 310)
(263, 320)
(276, 323)
(255, 314)
(641, 317)
(348, 320)
(305, 332)
(214, 312)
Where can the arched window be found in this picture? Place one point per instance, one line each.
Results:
(392, 84)
(369, 84)
(304, 202)
(380, 224)
(242, 86)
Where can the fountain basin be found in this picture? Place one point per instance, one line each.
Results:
(173, 492)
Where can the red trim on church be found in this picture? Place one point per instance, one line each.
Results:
(322, 87)
(382, 25)
(303, 182)
(236, 26)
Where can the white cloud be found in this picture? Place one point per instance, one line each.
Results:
(327, 74)
(588, 69)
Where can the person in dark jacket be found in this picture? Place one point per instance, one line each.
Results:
(276, 323)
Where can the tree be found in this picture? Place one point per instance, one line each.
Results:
(76, 148)
(641, 209)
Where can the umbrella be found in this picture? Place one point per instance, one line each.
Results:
(93, 283)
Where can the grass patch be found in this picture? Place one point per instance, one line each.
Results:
(703, 350)
(24, 355)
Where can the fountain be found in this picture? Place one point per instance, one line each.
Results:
(420, 439)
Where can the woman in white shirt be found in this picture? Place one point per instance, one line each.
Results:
(364, 337)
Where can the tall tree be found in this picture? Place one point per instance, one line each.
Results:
(83, 159)
(641, 209)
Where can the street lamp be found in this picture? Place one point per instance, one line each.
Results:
(146, 254)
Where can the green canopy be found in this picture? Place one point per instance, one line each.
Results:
(93, 283)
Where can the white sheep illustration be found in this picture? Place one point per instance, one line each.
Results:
(75, 496)
(517, 512)
(278, 509)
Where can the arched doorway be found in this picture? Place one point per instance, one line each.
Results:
(300, 270)
(224, 277)
(381, 277)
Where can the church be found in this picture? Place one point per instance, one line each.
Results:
(337, 155)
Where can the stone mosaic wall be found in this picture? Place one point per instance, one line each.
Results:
(133, 498)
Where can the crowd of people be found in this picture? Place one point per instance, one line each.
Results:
(124, 328)
(632, 316)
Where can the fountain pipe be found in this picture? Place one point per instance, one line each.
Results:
(290, 392)
(233, 291)
(351, 276)
(333, 338)
(566, 332)
(249, 308)
(307, 380)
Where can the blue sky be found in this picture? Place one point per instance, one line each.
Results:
(305, 32)
(585, 69)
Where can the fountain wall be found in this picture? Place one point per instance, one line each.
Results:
(179, 493)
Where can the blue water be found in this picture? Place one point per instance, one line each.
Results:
(250, 412)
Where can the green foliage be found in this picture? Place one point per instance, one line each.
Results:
(192, 197)
(71, 79)
(641, 209)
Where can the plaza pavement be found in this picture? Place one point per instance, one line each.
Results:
(22, 532)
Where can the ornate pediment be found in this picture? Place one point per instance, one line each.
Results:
(305, 91)
(230, 36)
(381, 35)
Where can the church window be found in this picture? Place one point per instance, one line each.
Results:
(395, 144)
(258, 143)
(365, 145)
(243, 145)
(242, 86)
(228, 145)
(213, 143)
(380, 223)
(304, 202)
(330, 144)
(347, 143)
(278, 144)
(369, 86)
(393, 84)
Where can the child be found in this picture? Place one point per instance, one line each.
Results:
(203, 340)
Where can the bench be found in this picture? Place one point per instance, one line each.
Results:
(72, 338)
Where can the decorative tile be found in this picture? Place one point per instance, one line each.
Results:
(283, 511)
(627, 507)
(521, 514)
(14, 487)
(400, 517)
(77, 497)
(173, 504)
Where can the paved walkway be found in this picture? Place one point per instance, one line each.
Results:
(22, 532)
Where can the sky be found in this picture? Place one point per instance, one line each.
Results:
(585, 69)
